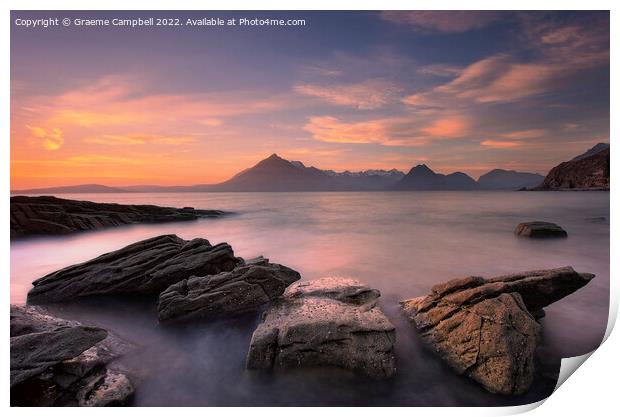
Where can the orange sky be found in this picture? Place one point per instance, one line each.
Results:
(102, 107)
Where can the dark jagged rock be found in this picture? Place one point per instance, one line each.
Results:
(56, 216)
(325, 322)
(540, 229)
(243, 289)
(485, 328)
(146, 267)
(59, 362)
(589, 171)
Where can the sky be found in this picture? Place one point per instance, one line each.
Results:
(458, 91)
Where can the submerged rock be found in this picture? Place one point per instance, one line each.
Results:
(48, 215)
(485, 328)
(245, 288)
(146, 267)
(60, 362)
(540, 229)
(325, 322)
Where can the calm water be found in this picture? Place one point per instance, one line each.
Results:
(400, 243)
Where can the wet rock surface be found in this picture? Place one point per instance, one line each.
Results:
(245, 288)
(326, 322)
(56, 362)
(540, 230)
(485, 328)
(146, 267)
(46, 215)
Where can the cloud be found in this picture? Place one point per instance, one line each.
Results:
(442, 21)
(388, 131)
(525, 134)
(367, 95)
(557, 54)
(322, 71)
(498, 144)
(52, 139)
(330, 129)
(114, 101)
(139, 139)
(440, 70)
(449, 127)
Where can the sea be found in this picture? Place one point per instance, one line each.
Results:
(401, 243)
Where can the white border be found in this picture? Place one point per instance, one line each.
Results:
(592, 390)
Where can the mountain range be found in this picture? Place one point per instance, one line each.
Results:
(277, 174)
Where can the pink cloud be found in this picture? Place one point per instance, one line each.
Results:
(525, 134)
(497, 144)
(449, 127)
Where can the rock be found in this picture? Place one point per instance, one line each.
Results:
(243, 289)
(485, 328)
(60, 362)
(325, 322)
(146, 267)
(540, 229)
(589, 171)
(55, 216)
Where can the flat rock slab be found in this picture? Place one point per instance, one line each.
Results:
(245, 288)
(485, 328)
(326, 322)
(46, 215)
(61, 362)
(146, 267)
(540, 230)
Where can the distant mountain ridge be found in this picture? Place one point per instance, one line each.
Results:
(422, 178)
(501, 179)
(278, 174)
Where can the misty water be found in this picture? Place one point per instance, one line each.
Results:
(400, 243)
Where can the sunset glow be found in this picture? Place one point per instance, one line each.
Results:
(465, 91)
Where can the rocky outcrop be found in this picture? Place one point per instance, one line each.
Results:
(245, 288)
(485, 328)
(586, 172)
(325, 322)
(56, 362)
(56, 216)
(146, 267)
(540, 229)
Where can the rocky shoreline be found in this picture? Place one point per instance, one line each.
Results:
(486, 329)
(46, 215)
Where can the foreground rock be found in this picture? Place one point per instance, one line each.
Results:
(243, 289)
(55, 216)
(484, 328)
(56, 362)
(540, 230)
(326, 322)
(146, 267)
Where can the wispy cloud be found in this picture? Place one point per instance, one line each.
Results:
(499, 144)
(525, 134)
(367, 95)
(448, 127)
(51, 139)
(139, 139)
(442, 21)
